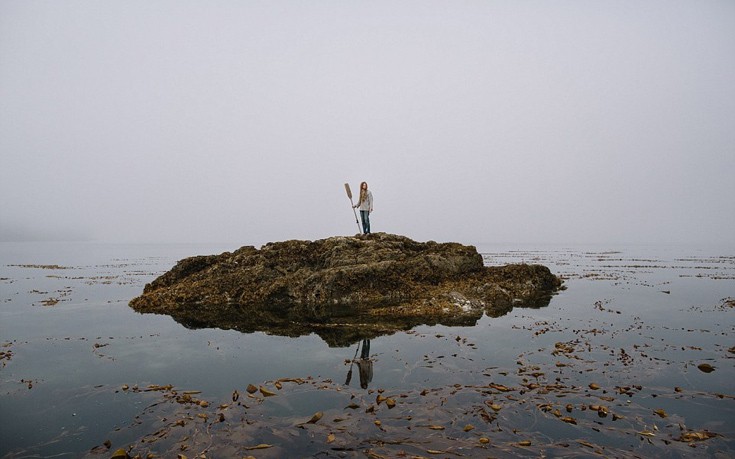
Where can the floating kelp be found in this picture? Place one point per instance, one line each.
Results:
(540, 407)
(464, 420)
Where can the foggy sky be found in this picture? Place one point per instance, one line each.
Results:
(472, 121)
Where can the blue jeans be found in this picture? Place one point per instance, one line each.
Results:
(365, 215)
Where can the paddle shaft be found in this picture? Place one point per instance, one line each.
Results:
(349, 373)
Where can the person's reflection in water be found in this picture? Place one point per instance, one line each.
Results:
(365, 365)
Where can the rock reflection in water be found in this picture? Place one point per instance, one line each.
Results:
(344, 325)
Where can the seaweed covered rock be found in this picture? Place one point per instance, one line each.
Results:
(381, 280)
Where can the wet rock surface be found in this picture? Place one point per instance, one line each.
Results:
(343, 288)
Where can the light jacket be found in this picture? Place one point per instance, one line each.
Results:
(367, 203)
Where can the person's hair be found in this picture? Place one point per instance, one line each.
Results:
(363, 192)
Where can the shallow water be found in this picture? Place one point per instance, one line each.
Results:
(609, 367)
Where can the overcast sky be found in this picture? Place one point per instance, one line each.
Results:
(472, 121)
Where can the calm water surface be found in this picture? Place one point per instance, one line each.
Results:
(610, 367)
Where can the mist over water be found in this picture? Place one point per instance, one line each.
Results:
(481, 121)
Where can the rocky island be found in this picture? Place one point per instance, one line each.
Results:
(343, 288)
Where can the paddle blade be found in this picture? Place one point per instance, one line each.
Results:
(347, 189)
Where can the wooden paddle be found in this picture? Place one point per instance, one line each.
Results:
(349, 195)
(349, 373)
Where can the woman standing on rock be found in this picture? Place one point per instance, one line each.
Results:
(365, 203)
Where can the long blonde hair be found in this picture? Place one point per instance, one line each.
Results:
(363, 193)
